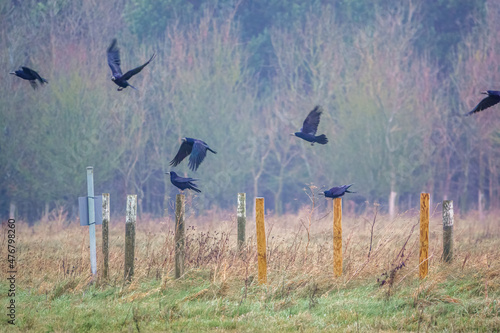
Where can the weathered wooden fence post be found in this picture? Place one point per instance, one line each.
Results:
(179, 235)
(261, 240)
(91, 212)
(242, 219)
(105, 234)
(424, 235)
(448, 230)
(130, 236)
(337, 237)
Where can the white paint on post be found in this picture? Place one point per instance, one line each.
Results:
(12, 210)
(392, 204)
(90, 198)
(241, 219)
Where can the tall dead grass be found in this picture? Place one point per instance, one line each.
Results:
(53, 255)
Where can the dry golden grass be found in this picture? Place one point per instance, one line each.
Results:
(55, 250)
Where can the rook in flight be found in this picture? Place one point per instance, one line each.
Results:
(337, 192)
(490, 100)
(30, 75)
(197, 149)
(114, 63)
(183, 183)
(310, 126)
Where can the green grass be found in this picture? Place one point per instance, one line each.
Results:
(219, 291)
(457, 304)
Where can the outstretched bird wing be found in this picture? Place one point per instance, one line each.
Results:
(134, 71)
(184, 150)
(197, 155)
(32, 72)
(114, 59)
(311, 123)
(490, 100)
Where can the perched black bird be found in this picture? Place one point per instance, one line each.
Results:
(310, 126)
(114, 63)
(337, 192)
(182, 183)
(490, 100)
(30, 75)
(197, 149)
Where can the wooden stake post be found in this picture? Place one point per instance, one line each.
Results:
(242, 219)
(447, 230)
(261, 240)
(424, 235)
(179, 235)
(337, 237)
(105, 234)
(130, 236)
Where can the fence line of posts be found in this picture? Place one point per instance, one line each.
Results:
(88, 207)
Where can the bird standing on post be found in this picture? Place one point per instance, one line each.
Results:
(310, 126)
(337, 192)
(490, 100)
(30, 75)
(182, 183)
(114, 63)
(197, 149)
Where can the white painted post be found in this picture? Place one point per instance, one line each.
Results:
(242, 219)
(130, 236)
(90, 200)
(105, 234)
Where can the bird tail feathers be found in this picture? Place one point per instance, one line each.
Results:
(321, 139)
(347, 188)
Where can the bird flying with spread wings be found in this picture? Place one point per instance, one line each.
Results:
(310, 126)
(490, 100)
(194, 147)
(183, 183)
(30, 75)
(337, 192)
(114, 63)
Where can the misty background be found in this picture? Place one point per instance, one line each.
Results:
(393, 78)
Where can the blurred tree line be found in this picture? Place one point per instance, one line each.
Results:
(394, 79)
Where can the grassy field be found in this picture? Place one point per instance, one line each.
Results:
(379, 290)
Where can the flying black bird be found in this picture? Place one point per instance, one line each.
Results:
(490, 100)
(114, 63)
(337, 192)
(30, 75)
(310, 126)
(197, 149)
(182, 183)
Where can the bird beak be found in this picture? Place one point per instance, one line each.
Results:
(112, 78)
(292, 134)
(484, 92)
(167, 173)
(13, 73)
(184, 139)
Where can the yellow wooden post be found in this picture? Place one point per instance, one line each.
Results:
(337, 237)
(261, 239)
(424, 235)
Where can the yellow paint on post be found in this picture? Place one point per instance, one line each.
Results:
(337, 237)
(261, 239)
(424, 235)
